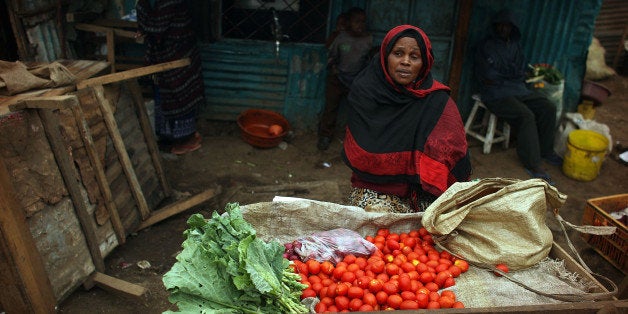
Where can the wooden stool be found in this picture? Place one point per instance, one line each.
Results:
(488, 125)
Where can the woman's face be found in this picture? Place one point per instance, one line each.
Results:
(404, 61)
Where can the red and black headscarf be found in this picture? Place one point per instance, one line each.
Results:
(404, 137)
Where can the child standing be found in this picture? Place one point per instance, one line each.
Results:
(348, 55)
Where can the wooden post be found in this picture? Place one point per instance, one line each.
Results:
(25, 286)
(149, 136)
(123, 155)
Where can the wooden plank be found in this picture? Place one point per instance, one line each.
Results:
(179, 207)
(135, 73)
(462, 28)
(51, 103)
(105, 29)
(123, 155)
(99, 171)
(66, 166)
(118, 286)
(149, 135)
(111, 49)
(32, 291)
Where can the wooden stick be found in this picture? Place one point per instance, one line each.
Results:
(118, 286)
(178, 207)
(101, 177)
(50, 122)
(129, 74)
(123, 155)
(25, 285)
(149, 136)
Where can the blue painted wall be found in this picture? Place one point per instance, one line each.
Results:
(557, 32)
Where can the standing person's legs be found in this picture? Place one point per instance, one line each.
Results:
(520, 117)
(334, 92)
(545, 115)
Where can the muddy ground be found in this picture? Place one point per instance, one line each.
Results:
(249, 175)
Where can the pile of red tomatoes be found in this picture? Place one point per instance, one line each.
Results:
(405, 272)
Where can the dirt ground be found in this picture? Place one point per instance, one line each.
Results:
(249, 175)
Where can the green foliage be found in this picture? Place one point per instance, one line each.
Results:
(224, 268)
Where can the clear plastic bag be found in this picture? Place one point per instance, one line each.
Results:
(333, 245)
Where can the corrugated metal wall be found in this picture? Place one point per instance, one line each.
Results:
(557, 32)
(243, 74)
(610, 25)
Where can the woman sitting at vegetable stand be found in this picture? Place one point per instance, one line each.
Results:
(405, 139)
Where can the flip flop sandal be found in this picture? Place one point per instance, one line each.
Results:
(540, 175)
(186, 148)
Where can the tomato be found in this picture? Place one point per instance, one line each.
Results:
(432, 305)
(320, 307)
(405, 283)
(323, 292)
(383, 232)
(317, 286)
(383, 277)
(458, 305)
(441, 277)
(381, 297)
(375, 285)
(332, 309)
(423, 232)
(432, 286)
(363, 282)
(348, 276)
(433, 295)
(448, 293)
(378, 266)
(327, 267)
(342, 289)
(462, 264)
(445, 254)
(392, 269)
(355, 292)
(366, 308)
(449, 282)
(338, 271)
(361, 261)
(441, 267)
(501, 267)
(313, 266)
(370, 299)
(275, 129)
(392, 245)
(445, 261)
(355, 304)
(390, 288)
(454, 270)
(302, 267)
(349, 259)
(331, 290)
(408, 295)
(326, 282)
(327, 301)
(422, 300)
(407, 250)
(342, 302)
(409, 305)
(426, 277)
(410, 242)
(394, 301)
(353, 267)
(308, 293)
(446, 302)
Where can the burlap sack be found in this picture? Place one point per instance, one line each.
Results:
(495, 220)
(16, 78)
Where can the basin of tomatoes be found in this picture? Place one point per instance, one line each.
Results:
(405, 272)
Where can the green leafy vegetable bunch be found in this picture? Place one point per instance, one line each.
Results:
(224, 268)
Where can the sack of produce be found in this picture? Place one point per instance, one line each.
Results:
(495, 220)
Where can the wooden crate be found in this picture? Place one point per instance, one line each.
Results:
(612, 247)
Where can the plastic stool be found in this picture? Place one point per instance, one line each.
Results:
(488, 125)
